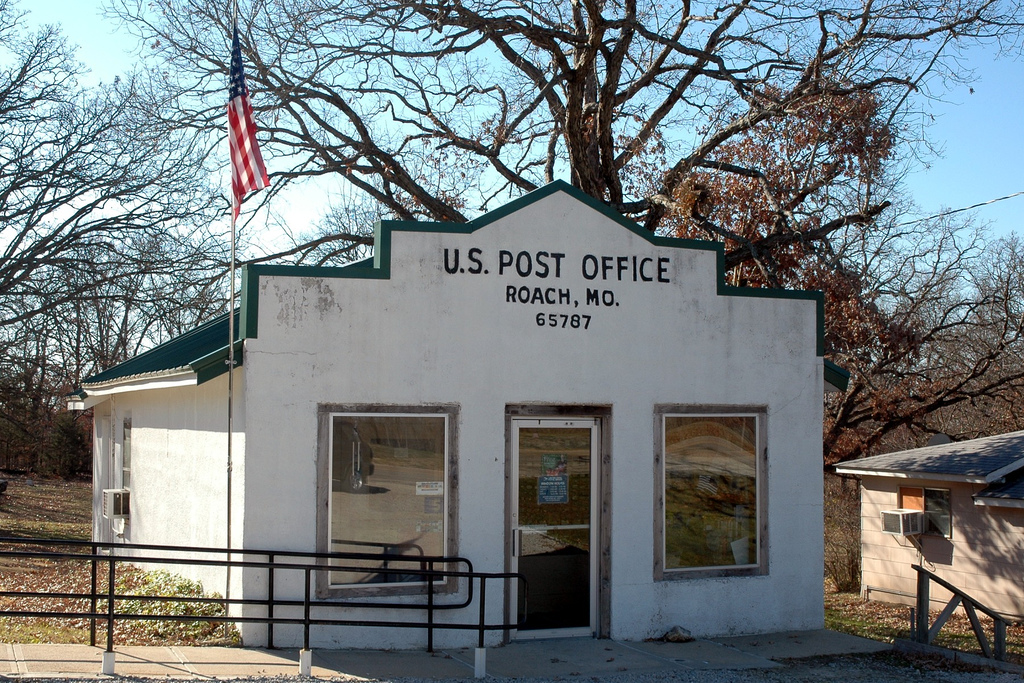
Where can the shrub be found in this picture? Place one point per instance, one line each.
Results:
(842, 533)
(163, 583)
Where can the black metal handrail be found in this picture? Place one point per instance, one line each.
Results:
(923, 633)
(431, 569)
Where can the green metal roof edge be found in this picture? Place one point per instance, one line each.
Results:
(382, 257)
(215, 364)
(836, 376)
(169, 355)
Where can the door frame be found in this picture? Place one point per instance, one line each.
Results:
(599, 469)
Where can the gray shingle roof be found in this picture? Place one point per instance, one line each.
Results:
(984, 460)
(1009, 492)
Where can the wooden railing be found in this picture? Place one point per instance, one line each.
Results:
(922, 632)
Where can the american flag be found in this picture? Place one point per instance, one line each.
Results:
(707, 484)
(248, 174)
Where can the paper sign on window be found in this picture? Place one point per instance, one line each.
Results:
(433, 505)
(429, 488)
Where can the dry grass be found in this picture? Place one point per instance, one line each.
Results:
(60, 510)
(33, 508)
(849, 613)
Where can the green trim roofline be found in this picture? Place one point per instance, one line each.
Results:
(381, 268)
(836, 376)
(205, 352)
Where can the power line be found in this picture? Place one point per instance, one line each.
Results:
(952, 211)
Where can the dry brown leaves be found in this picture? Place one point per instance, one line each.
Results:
(62, 510)
(61, 578)
(850, 613)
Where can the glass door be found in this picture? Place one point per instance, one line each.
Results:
(552, 525)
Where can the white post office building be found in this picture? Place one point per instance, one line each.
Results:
(547, 389)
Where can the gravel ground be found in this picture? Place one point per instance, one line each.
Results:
(878, 668)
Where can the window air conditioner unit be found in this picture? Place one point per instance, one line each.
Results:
(116, 503)
(902, 522)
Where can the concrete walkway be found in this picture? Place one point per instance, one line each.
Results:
(522, 659)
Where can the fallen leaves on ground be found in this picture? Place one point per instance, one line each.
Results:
(62, 579)
(850, 613)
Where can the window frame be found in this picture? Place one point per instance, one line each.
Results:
(325, 413)
(126, 452)
(760, 566)
(929, 527)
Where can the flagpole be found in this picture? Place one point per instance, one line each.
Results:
(248, 174)
(231, 386)
(231, 364)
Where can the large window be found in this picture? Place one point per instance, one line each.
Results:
(711, 477)
(389, 492)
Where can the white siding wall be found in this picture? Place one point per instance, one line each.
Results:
(983, 557)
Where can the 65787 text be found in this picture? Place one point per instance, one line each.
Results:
(574, 321)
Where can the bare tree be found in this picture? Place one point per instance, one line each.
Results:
(931, 323)
(128, 314)
(86, 185)
(440, 108)
(105, 232)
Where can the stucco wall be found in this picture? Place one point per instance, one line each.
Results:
(981, 558)
(426, 336)
(179, 469)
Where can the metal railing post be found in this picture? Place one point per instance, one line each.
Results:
(483, 610)
(270, 603)
(92, 594)
(305, 613)
(110, 605)
(430, 606)
(508, 608)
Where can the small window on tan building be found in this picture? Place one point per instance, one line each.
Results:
(934, 503)
(911, 498)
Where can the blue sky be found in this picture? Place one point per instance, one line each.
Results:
(983, 145)
(980, 133)
(102, 44)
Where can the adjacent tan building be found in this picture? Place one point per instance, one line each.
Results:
(971, 499)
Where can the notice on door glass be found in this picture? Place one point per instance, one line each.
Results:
(553, 489)
(554, 464)
(553, 483)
